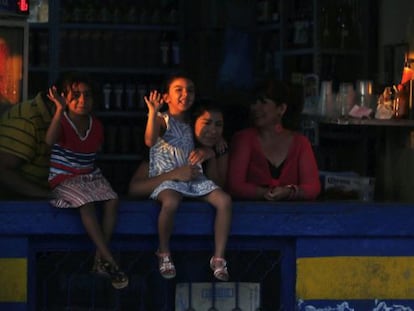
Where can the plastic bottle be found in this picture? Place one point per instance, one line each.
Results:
(43, 11)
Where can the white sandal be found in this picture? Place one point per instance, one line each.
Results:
(219, 267)
(166, 265)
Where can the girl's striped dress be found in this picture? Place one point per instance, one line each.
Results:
(73, 176)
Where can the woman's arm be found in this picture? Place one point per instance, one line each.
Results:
(238, 164)
(216, 169)
(301, 175)
(215, 162)
(309, 185)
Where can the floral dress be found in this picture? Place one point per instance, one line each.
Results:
(172, 151)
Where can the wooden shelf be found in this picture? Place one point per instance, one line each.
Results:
(362, 122)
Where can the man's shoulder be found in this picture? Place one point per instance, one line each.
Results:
(26, 109)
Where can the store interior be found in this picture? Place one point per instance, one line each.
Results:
(226, 46)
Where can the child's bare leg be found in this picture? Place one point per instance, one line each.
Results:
(223, 204)
(170, 200)
(92, 226)
(109, 218)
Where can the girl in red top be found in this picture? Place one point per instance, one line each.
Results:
(268, 161)
(76, 136)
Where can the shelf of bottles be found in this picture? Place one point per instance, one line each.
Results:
(298, 42)
(309, 37)
(268, 38)
(123, 36)
(105, 37)
(121, 107)
(340, 25)
(340, 39)
(140, 40)
(285, 36)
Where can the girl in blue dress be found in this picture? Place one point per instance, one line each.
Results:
(169, 136)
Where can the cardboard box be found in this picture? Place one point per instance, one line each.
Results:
(349, 184)
(227, 296)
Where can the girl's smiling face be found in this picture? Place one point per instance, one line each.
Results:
(80, 99)
(180, 95)
(208, 128)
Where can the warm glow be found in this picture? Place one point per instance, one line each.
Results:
(4, 55)
(10, 74)
(407, 74)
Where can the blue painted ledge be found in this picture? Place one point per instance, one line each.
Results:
(249, 219)
(299, 230)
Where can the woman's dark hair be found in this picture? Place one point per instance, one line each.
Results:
(282, 92)
(276, 90)
(202, 106)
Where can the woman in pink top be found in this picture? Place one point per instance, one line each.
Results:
(268, 161)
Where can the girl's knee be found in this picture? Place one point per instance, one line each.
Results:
(224, 201)
(170, 204)
(169, 200)
(87, 207)
(112, 203)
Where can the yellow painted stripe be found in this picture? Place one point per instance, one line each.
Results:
(13, 279)
(355, 278)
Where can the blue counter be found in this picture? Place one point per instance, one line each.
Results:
(338, 255)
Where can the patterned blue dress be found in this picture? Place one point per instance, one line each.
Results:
(172, 151)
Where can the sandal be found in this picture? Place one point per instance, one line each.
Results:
(219, 267)
(166, 265)
(118, 278)
(97, 267)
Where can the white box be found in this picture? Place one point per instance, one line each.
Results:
(350, 182)
(228, 296)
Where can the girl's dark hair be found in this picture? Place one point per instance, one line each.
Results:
(67, 80)
(170, 78)
(282, 92)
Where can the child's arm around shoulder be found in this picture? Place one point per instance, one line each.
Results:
(53, 132)
(154, 122)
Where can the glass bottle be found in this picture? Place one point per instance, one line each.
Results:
(262, 14)
(107, 89)
(401, 104)
(343, 27)
(164, 50)
(43, 11)
(326, 28)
